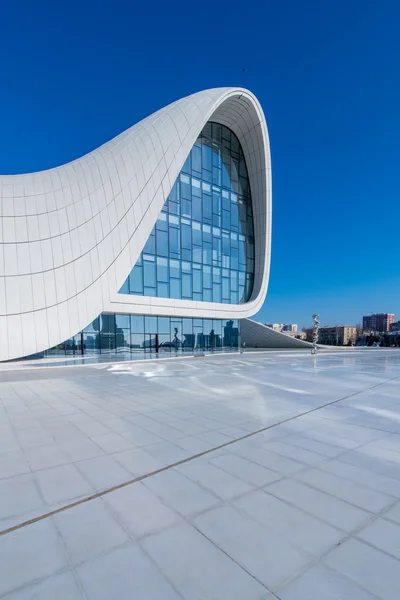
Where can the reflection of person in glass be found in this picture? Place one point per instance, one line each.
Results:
(176, 342)
(212, 339)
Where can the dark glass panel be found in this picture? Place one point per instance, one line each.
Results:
(162, 270)
(126, 334)
(163, 325)
(150, 324)
(122, 321)
(123, 340)
(150, 247)
(149, 273)
(137, 324)
(91, 343)
(212, 191)
(125, 287)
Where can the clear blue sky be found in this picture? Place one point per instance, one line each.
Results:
(75, 74)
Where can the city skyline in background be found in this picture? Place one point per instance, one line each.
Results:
(327, 79)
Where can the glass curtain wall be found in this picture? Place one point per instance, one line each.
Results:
(112, 334)
(202, 245)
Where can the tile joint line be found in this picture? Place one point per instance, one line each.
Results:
(183, 461)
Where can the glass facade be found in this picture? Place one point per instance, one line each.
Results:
(137, 334)
(202, 246)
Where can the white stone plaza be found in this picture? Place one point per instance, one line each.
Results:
(224, 477)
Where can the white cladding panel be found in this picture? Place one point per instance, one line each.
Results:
(69, 236)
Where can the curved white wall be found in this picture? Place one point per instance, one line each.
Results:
(71, 235)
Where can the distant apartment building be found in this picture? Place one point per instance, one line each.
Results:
(336, 335)
(395, 326)
(285, 327)
(378, 322)
(298, 335)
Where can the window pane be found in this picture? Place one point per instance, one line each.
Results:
(136, 280)
(186, 285)
(206, 220)
(125, 287)
(197, 281)
(163, 325)
(123, 340)
(122, 321)
(162, 290)
(149, 274)
(174, 268)
(150, 247)
(137, 324)
(162, 243)
(150, 324)
(175, 288)
(162, 269)
(174, 240)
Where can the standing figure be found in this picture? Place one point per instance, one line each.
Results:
(315, 334)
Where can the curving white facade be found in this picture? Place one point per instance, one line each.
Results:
(71, 235)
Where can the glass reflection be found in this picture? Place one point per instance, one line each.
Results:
(206, 223)
(116, 334)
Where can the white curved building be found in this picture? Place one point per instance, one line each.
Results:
(160, 238)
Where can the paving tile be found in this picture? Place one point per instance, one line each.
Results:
(372, 463)
(138, 461)
(81, 449)
(233, 432)
(390, 442)
(247, 471)
(387, 454)
(294, 525)
(89, 530)
(275, 462)
(198, 569)
(374, 571)
(181, 494)
(164, 431)
(361, 496)
(163, 416)
(393, 514)
(370, 479)
(91, 427)
(332, 510)
(30, 554)
(19, 495)
(44, 457)
(384, 535)
(13, 463)
(117, 424)
(221, 483)
(139, 436)
(34, 438)
(62, 483)
(141, 511)
(9, 443)
(188, 428)
(103, 472)
(322, 583)
(167, 453)
(215, 438)
(112, 442)
(265, 555)
(124, 574)
(193, 444)
(332, 439)
(61, 587)
(324, 448)
(293, 452)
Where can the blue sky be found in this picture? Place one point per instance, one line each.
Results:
(75, 74)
